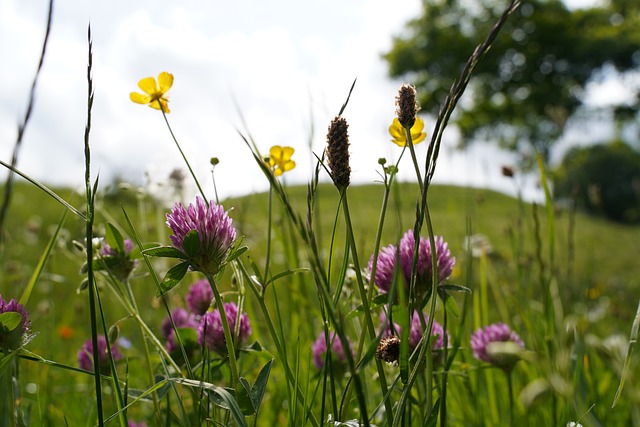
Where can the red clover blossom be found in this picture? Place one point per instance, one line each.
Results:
(210, 330)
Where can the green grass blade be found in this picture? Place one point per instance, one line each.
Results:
(633, 339)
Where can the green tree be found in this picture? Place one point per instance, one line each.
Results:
(603, 179)
(534, 77)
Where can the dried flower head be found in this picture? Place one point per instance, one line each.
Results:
(85, 355)
(14, 325)
(406, 105)
(199, 297)
(215, 233)
(484, 344)
(389, 349)
(338, 152)
(211, 332)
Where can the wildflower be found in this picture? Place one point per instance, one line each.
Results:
(65, 332)
(210, 330)
(415, 331)
(14, 329)
(118, 262)
(478, 245)
(486, 345)
(338, 152)
(399, 136)
(319, 350)
(406, 105)
(181, 319)
(199, 297)
(155, 94)
(388, 349)
(280, 159)
(85, 355)
(214, 229)
(134, 424)
(384, 268)
(445, 261)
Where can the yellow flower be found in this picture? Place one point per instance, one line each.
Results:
(400, 137)
(280, 159)
(155, 93)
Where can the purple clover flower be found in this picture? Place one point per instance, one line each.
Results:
(445, 261)
(494, 333)
(107, 250)
(120, 264)
(85, 355)
(210, 330)
(199, 297)
(182, 319)
(384, 268)
(20, 335)
(415, 331)
(319, 350)
(215, 233)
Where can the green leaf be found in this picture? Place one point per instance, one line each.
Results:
(432, 421)
(188, 336)
(455, 288)
(164, 252)
(244, 397)
(236, 252)
(287, 273)
(173, 277)
(114, 238)
(451, 306)
(10, 320)
(260, 386)
(191, 243)
(633, 340)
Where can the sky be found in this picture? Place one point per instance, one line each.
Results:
(280, 70)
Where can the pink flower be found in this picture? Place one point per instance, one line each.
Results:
(199, 297)
(85, 355)
(210, 330)
(319, 350)
(482, 339)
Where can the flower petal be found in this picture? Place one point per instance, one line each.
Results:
(165, 80)
(418, 138)
(289, 165)
(148, 85)
(275, 153)
(278, 171)
(287, 152)
(139, 98)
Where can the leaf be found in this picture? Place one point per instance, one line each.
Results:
(164, 252)
(188, 336)
(633, 340)
(9, 321)
(451, 306)
(260, 386)
(236, 252)
(432, 421)
(455, 288)
(191, 243)
(114, 238)
(287, 273)
(244, 397)
(173, 277)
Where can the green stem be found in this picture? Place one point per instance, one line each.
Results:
(412, 150)
(510, 385)
(182, 153)
(228, 337)
(269, 218)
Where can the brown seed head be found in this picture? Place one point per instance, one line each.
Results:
(388, 349)
(338, 152)
(406, 105)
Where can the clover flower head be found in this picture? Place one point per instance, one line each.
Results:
(415, 332)
(384, 268)
(215, 233)
(210, 330)
(182, 319)
(199, 297)
(445, 261)
(155, 94)
(319, 350)
(280, 159)
(20, 333)
(85, 355)
(399, 136)
(119, 264)
(338, 152)
(482, 339)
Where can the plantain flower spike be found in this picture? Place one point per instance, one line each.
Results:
(338, 152)
(406, 106)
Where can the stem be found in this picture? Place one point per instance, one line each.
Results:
(231, 352)
(412, 150)
(269, 218)
(193, 175)
(510, 385)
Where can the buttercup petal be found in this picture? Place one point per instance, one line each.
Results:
(418, 138)
(275, 153)
(165, 80)
(139, 98)
(289, 165)
(287, 152)
(148, 85)
(278, 172)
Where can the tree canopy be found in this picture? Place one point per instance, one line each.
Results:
(533, 79)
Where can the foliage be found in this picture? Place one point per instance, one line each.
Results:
(533, 79)
(603, 179)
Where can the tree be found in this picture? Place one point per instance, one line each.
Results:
(534, 77)
(603, 179)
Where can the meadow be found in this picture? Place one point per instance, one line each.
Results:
(390, 304)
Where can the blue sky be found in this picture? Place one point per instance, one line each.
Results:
(286, 65)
